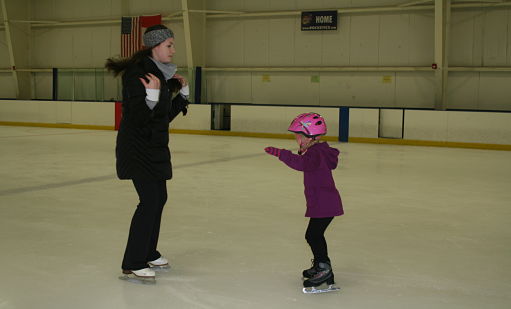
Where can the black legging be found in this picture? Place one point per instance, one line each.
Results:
(316, 239)
(145, 224)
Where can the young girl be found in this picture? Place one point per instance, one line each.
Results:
(150, 103)
(316, 160)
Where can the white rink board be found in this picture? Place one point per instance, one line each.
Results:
(363, 122)
(197, 118)
(463, 127)
(276, 119)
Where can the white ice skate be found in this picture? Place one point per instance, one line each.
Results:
(159, 263)
(144, 276)
(317, 290)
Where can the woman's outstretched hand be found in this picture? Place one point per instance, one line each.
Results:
(150, 81)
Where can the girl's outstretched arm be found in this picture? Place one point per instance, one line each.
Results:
(303, 163)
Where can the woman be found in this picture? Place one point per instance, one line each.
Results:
(148, 84)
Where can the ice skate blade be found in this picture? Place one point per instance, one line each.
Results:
(163, 268)
(138, 280)
(313, 290)
(160, 269)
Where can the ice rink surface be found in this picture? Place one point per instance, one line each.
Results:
(424, 227)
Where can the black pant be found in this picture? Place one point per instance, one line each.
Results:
(316, 239)
(145, 224)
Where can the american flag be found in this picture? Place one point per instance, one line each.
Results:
(132, 29)
(130, 36)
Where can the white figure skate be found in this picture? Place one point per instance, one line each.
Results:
(159, 263)
(143, 276)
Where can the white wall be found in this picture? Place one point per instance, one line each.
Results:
(89, 46)
(479, 37)
(363, 122)
(355, 89)
(440, 126)
(197, 118)
(58, 112)
(443, 126)
(92, 113)
(367, 39)
(391, 123)
(465, 127)
(276, 119)
(89, 113)
(362, 40)
(7, 86)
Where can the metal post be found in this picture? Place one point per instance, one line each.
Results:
(442, 21)
(188, 38)
(9, 47)
(188, 34)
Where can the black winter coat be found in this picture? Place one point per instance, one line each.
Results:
(142, 150)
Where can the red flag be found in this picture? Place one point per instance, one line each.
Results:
(148, 21)
(132, 29)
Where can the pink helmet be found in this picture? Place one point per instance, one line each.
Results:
(308, 124)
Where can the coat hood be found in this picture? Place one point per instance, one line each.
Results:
(330, 154)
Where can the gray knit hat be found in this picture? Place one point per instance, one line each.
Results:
(154, 35)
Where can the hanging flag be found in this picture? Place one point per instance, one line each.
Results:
(132, 29)
(148, 21)
(130, 36)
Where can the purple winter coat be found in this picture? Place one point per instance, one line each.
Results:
(323, 199)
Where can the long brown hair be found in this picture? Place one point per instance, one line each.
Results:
(117, 65)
